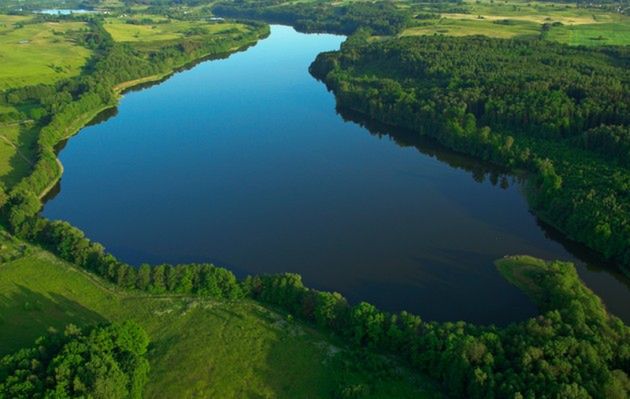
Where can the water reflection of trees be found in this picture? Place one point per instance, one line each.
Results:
(480, 171)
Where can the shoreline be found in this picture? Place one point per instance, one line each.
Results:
(119, 90)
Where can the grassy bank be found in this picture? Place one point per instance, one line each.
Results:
(200, 348)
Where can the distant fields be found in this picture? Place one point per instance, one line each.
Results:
(465, 27)
(38, 53)
(200, 348)
(567, 23)
(161, 28)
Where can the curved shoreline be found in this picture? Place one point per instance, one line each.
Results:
(119, 90)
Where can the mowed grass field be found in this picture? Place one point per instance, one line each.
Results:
(17, 143)
(592, 34)
(508, 19)
(38, 53)
(200, 348)
(161, 28)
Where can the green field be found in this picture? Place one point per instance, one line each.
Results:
(161, 28)
(38, 53)
(200, 348)
(465, 27)
(592, 34)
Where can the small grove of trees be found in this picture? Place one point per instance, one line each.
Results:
(99, 362)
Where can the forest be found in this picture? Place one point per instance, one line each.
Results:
(559, 112)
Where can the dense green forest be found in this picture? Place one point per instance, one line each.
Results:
(560, 112)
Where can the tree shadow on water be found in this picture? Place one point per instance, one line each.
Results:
(26, 315)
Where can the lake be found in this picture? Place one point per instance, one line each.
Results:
(58, 11)
(245, 162)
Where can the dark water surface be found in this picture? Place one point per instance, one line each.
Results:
(244, 162)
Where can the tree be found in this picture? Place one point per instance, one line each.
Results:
(143, 278)
(100, 362)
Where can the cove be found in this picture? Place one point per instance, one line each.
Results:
(246, 163)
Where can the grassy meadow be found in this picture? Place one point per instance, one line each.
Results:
(592, 34)
(157, 28)
(32, 53)
(200, 348)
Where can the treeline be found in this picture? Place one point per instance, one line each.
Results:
(573, 350)
(99, 362)
(70, 244)
(382, 18)
(558, 111)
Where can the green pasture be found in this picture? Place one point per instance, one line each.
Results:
(466, 27)
(592, 34)
(17, 143)
(38, 53)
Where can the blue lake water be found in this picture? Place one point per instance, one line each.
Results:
(59, 11)
(244, 162)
